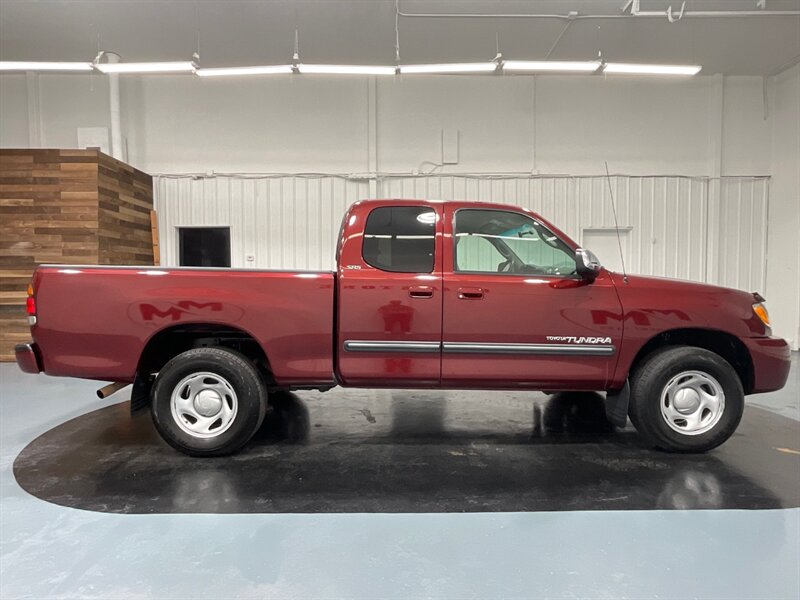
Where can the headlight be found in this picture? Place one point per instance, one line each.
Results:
(761, 312)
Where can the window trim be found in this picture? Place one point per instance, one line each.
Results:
(457, 271)
(364, 237)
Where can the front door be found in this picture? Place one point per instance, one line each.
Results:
(390, 299)
(515, 312)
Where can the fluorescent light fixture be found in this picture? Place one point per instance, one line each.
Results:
(449, 68)
(147, 67)
(636, 69)
(346, 69)
(563, 66)
(226, 71)
(15, 65)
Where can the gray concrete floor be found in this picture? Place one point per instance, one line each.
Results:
(51, 551)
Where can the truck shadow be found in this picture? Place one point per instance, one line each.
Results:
(411, 451)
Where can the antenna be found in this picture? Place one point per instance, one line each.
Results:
(616, 225)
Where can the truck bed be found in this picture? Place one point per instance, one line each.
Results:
(94, 321)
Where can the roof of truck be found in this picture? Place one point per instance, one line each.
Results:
(424, 202)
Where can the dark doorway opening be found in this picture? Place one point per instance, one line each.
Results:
(205, 246)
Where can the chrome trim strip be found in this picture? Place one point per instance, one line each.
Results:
(477, 348)
(554, 349)
(169, 268)
(377, 346)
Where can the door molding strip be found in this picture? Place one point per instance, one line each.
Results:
(394, 346)
(557, 349)
(479, 348)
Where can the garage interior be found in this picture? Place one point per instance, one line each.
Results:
(662, 135)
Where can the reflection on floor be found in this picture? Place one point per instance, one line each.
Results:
(405, 451)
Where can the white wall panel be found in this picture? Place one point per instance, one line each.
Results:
(282, 222)
(292, 222)
(743, 229)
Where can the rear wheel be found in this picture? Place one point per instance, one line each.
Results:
(686, 399)
(208, 401)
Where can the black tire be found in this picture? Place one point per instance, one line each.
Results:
(237, 373)
(648, 384)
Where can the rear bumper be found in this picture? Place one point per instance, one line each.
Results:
(27, 358)
(772, 359)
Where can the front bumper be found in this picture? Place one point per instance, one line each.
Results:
(27, 358)
(772, 359)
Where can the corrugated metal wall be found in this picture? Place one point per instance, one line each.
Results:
(690, 228)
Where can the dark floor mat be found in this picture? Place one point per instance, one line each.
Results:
(412, 451)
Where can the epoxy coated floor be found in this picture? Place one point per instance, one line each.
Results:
(544, 548)
(412, 451)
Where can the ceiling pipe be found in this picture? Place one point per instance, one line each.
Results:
(632, 4)
(674, 16)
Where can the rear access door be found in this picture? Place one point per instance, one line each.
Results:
(390, 296)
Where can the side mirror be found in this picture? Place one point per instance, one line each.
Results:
(587, 264)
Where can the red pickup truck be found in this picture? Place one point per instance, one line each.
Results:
(426, 295)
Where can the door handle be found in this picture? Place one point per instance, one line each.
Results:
(420, 291)
(470, 293)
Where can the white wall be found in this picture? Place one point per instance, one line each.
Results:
(566, 125)
(697, 127)
(783, 267)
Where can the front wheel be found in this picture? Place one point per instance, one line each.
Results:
(686, 399)
(208, 401)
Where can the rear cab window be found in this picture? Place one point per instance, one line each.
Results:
(400, 239)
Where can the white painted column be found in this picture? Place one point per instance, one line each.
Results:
(113, 103)
(34, 110)
(372, 134)
(714, 186)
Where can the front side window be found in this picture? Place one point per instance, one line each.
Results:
(497, 241)
(400, 239)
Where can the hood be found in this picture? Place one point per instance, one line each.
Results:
(673, 286)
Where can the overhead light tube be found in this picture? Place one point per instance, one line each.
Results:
(641, 69)
(18, 65)
(346, 69)
(232, 71)
(547, 66)
(449, 68)
(147, 67)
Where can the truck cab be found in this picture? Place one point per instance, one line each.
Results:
(469, 295)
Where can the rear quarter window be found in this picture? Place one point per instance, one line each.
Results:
(400, 239)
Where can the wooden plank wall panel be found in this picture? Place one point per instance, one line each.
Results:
(125, 200)
(68, 207)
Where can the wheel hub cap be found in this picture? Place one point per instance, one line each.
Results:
(208, 403)
(687, 400)
(692, 402)
(204, 404)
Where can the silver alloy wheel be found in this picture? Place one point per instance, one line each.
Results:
(692, 402)
(204, 404)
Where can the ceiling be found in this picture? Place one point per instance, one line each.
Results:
(363, 32)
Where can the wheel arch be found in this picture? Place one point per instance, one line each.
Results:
(168, 342)
(724, 344)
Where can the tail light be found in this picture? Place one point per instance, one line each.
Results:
(30, 306)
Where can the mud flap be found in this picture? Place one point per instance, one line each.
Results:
(140, 393)
(617, 405)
